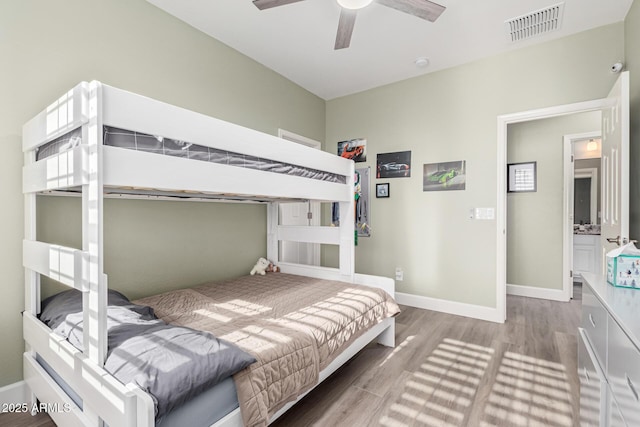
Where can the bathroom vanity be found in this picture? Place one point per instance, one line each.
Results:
(586, 253)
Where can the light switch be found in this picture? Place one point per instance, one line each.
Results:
(482, 213)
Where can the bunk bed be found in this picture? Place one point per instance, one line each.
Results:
(98, 141)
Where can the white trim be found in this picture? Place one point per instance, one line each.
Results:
(535, 292)
(501, 208)
(451, 307)
(567, 212)
(13, 393)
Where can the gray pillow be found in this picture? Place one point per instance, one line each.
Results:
(56, 308)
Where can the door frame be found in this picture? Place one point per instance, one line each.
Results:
(568, 195)
(501, 197)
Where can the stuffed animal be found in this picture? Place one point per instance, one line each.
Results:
(260, 267)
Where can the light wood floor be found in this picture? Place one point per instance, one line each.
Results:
(451, 371)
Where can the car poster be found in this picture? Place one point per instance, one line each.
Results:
(353, 149)
(394, 165)
(444, 176)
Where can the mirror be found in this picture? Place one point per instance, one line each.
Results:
(586, 194)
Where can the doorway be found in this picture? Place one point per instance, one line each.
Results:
(615, 162)
(582, 201)
(537, 236)
(501, 211)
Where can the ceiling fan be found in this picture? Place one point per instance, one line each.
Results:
(424, 9)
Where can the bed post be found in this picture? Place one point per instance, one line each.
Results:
(31, 278)
(95, 300)
(347, 230)
(272, 232)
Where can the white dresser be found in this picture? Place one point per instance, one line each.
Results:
(609, 354)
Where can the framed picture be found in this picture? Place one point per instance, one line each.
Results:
(353, 149)
(382, 190)
(521, 177)
(394, 165)
(444, 176)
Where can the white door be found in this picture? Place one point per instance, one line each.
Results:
(299, 214)
(298, 252)
(615, 168)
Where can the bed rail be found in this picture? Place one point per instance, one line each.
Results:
(102, 395)
(61, 171)
(166, 173)
(65, 114)
(126, 110)
(65, 265)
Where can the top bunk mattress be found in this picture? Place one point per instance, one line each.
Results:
(132, 140)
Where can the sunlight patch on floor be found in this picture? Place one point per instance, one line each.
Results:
(398, 349)
(441, 391)
(529, 392)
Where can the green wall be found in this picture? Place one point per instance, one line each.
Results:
(451, 115)
(535, 220)
(632, 62)
(48, 47)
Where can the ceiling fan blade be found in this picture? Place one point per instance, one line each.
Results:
(424, 9)
(345, 28)
(268, 4)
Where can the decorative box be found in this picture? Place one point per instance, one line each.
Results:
(624, 271)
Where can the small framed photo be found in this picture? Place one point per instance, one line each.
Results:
(382, 190)
(521, 177)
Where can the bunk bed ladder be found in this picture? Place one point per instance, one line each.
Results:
(77, 167)
(83, 269)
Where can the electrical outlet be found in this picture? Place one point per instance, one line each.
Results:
(399, 274)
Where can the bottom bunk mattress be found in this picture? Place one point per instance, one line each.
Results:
(203, 410)
(294, 326)
(174, 364)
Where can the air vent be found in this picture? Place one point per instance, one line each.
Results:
(535, 23)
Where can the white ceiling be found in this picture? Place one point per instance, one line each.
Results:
(296, 40)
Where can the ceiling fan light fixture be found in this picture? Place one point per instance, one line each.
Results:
(354, 4)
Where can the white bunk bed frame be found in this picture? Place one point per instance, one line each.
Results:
(92, 167)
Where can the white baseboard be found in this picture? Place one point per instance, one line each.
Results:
(534, 292)
(13, 393)
(451, 307)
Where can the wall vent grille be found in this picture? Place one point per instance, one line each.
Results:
(535, 23)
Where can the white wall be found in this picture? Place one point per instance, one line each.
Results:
(447, 116)
(47, 47)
